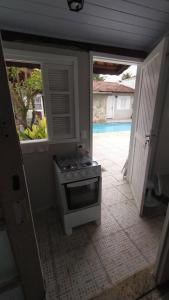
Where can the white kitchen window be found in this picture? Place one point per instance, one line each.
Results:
(60, 90)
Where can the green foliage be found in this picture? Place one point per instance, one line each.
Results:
(98, 77)
(33, 84)
(24, 84)
(126, 76)
(38, 131)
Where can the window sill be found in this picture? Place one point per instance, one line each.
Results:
(34, 146)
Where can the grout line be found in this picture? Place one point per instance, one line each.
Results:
(124, 230)
(101, 262)
(133, 242)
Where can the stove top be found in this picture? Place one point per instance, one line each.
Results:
(74, 162)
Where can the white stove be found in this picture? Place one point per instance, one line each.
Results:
(76, 167)
(78, 187)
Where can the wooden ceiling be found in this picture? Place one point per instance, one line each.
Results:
(131, 24)
(100, 67)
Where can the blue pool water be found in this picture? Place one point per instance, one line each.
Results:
(111, 127)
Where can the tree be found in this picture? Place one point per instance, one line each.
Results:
(98, 77)
(126, 76)
(24, 85)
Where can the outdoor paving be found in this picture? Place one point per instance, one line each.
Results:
(96, 258)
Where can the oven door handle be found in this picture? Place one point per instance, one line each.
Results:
(81, 183)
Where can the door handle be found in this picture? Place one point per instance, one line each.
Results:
(147, 141)
(150, 135)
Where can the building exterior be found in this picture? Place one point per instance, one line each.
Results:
(130, 82)
(39, 108)
(111, 101)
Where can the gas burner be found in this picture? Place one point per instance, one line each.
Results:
(74, 162)
(69, 167)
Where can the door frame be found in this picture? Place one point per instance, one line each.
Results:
(118, 59)
(161, 272)
(15, 201)
(134, 119)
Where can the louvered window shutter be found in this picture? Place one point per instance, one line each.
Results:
(60, 100)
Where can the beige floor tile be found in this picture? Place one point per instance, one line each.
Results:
(112, 196)
(125, 190)
(108, 226)
(146, 236)
(119, 256)
(108, 181)
(125, 213)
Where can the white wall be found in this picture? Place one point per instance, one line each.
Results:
(38, 165)
(103, 103)
(130, 82)
(119, 112)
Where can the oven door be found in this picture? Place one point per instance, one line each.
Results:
(82, 193)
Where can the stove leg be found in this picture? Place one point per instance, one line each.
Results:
(68, 231)
(98, 222)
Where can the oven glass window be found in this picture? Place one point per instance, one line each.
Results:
(81, 196)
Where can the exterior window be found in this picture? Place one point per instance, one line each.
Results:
(25, 82)
(45, 93)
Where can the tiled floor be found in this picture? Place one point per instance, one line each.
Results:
(95, 258)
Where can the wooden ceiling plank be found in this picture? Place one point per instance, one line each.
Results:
(99, 12)
(109, 69)
(161, 5)
(97, 20)
(82, 30)
(92, 24)
(131, 9)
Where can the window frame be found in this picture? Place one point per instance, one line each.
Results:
(42, 58)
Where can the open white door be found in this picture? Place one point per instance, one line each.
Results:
(149, 104)
(14, 202)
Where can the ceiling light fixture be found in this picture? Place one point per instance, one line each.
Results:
(75, 5)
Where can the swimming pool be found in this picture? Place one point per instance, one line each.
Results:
(111, 127)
